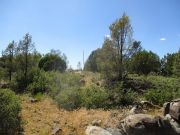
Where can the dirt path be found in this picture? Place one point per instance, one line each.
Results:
(42, 117)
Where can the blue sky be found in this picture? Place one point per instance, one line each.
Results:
(74, 26)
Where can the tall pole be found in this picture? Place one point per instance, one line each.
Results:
(83, 59)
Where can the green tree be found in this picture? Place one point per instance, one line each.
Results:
(145, 62)
(167, 63)
(176, 67)
(91, 64)
(121, 34)
(24, 50)
(9, 55)
(106, 63)
(133, 49)
(3, 71)
(53, 61)
(24, 61)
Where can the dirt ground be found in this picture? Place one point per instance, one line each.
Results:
(42, 117)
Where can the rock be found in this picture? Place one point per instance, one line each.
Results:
(174, 109)
(135, 110)
(144, 124)
(148, 104)
(32, 100)
(115, 131)
(82, 82)
(96, 122)
(175, 125)
(56, 131)
(4, 85)
(94, 130)
(166, 107)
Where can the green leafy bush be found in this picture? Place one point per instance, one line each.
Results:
(91, 97)
(69, 99)
(38, 81)
(162, 89)
(159, 96)
(61, 81)
(94, 97)
(9, 112)
(38, 96)
(121, 96)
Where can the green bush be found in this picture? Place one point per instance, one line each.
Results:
(18, 83)
(69, 99)
(38, 96)
(61, 81)
(121, 96)
(162, 89)
(91, 97)
(9, 112)
(159, 96)
(94, 97)
(38, 82)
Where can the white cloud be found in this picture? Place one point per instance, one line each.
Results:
(162, 39)
(107, 36)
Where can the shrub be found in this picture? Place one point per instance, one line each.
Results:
(69, 99)
(159, 96)
(9, 112)
(91, 97)
(18, 83)
(121, 96)
(38, 81)
(61, 81)
(38, 96)
(94, 97)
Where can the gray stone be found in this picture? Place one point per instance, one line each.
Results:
(94, 130)
(114, 131)
(174, 109)
(144, 124)
(56, 131)
(32, 100)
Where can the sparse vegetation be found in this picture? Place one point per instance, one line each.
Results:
(119, 74)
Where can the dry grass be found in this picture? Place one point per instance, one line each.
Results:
(42, 117)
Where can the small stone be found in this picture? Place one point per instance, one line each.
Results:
(96, 122)
(32, 100)
(56, 131)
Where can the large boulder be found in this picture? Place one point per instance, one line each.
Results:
(144, 124)
(173, 109)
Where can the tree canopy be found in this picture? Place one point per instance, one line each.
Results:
(145, 62)
(53, 61)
